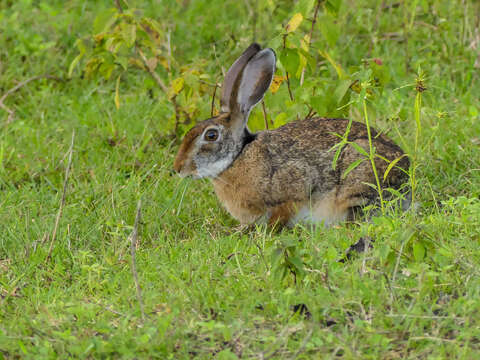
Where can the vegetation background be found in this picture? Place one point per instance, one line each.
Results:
(128, 83)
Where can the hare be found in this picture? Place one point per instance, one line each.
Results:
(283, 176)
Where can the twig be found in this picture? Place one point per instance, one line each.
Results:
(118, 6)
(152, 72)
(162, 86)
(286, 72)
(265, 115)
(310, 34)
(311, 113)
(288, 86)
(169, 49)
(133, 244)
(213, 100)
(64, 195)
(17, 87)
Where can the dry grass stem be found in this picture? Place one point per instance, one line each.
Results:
(64, 195)
(133, 244)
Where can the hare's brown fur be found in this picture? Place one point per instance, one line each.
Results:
(290, 168)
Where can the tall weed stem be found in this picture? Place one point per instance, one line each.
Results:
(371, 156)
(418, 129)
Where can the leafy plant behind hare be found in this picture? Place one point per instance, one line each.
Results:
(283, 176)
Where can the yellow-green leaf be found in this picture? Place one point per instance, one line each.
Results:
(338, 68)
(117, 93)
(277, 81)
(177, 85)
(294, 22)
(74, 64)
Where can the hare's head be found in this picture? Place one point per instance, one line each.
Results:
(213, 144)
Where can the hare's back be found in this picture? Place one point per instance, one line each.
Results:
(313, 138)
(298, 157)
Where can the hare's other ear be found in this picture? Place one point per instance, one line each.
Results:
(256, 79)
(232, 76)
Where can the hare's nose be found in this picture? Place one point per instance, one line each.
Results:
(178, 163)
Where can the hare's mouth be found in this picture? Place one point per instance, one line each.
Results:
(188, 175)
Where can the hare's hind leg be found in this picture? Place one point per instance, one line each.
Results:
(281, 215)
(322, 208)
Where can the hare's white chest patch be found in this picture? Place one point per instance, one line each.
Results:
(324, 210)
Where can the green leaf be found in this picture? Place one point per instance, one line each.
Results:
(319, 103)
(123, 61)
(341, 90)
(305, 6)
(380, 73)
(129, 33)
(290, 60)
(296, 262)
(333, 6)
(418, 251)
(81, 45)
(280, 119)
(359, 149)
(106, 69)
(391, 165)
(329, 29)
(340, 146)
(104, 20)
(276, 257)
(472, 110)
(352, 166)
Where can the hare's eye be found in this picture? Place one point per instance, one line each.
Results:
(211, 135)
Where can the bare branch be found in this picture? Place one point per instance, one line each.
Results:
(118, 6)
(133, 245)
(288, 86)
(310, 34)
(152, 72)
(213, 100)
(265, 115)
(64, 195)
(164, 88)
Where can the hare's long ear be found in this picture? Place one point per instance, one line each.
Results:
(232, 75)
(256, 79)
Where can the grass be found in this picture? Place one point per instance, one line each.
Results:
(210, 290)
